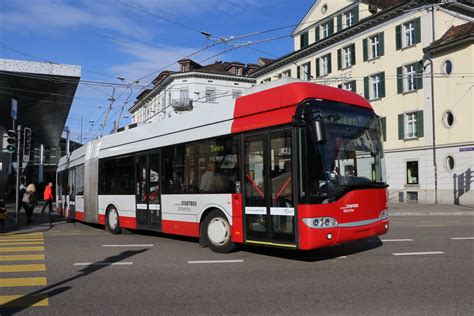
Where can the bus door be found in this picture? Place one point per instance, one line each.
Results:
(72, 192)
(268, 188)
(148, 195)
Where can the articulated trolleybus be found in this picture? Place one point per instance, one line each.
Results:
(295, 165)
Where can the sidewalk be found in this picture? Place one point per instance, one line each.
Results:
(40, 221)
(409, 209)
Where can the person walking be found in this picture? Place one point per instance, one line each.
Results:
(48, 197)
(22, 191)
(29, 202)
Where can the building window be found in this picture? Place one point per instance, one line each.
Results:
(448, 67)
(325, 30)
(307, 71)
(373, 46)
(409, 78)
(266, 80)
(210, 94)
(412, 172)
(348, 19)
(408, 34)
(375, 87)
(448, 119)
(304, 40)
(450, 163)
(347, 57)
(323, 66)
(410, 120)
(349, 86)
(183, 95)
(286, 73)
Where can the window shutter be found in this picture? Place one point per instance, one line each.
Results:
(419, 75)
(309, 71)
(331, 26)
(317, 67)
(381, 45)
(366, 88)
(365, 49)
(383, 122)
(419, 124)
(401, 126)
(382, 84)
(329, 63)
(398, 37)
(298, 72)
(353, 84)
(339, 59)
(355, 13)
(339, 22)
(317, 32)
(417, 38)
(353, 54)
(399, 80)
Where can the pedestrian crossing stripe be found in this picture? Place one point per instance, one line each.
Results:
(19, 249)
(22, 268)
(12, 282)
(21, 234)
(20, 239)
(8, 301)
(21, 257)
(22, 243)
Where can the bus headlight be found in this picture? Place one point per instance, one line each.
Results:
(383, 214)
(320, 222)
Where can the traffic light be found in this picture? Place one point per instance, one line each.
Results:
(11, 141)
(27, 135)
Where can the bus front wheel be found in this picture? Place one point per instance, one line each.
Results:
(216, 232)
(112, 222)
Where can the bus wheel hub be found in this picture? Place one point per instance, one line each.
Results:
(218, 231)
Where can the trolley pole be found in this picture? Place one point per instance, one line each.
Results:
(18, 171)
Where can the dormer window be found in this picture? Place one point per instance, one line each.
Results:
(184, 67)
(238, 71)
(325, 30)
(348, 19)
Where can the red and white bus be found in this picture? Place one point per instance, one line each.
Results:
(297, 165)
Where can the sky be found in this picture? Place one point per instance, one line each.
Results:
(136, 39)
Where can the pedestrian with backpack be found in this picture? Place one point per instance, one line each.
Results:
(29, 202)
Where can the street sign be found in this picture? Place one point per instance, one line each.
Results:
(24, 164)
(14, 111)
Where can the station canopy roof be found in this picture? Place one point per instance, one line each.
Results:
(44, 92)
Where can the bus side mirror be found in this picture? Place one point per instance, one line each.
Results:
(320, 131)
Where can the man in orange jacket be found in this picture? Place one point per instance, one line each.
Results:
(48, 197)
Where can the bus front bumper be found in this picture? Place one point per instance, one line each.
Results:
(313, 238)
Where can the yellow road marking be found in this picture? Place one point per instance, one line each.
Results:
(22, 234)
(23, 300)
(22, 268)
(16, 249)
(10, 282)
(21, 257)
(21, 243)
(20, 239)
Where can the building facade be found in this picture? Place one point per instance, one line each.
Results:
(193, 86)
(393, 53)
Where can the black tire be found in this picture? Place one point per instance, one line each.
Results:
(112, 220)
(216, 233)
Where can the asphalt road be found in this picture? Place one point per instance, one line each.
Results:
(418, 268)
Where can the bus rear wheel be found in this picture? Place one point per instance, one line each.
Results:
(112, 221)
(216, 232)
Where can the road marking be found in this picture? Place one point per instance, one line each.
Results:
(22, 268)
(21, 257)
(6, 240)
(430, 226)
(216, 261)
(16, 249)
(462, 238)
(342, 257)
(418, 253)
(130, 245)
(390, 240)
(22, 234)
(7, 301)
(103, 263)
(10, 282)
(21, 243)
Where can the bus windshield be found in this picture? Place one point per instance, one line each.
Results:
(348, 157)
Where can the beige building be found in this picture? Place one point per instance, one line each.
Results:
(395, 54)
